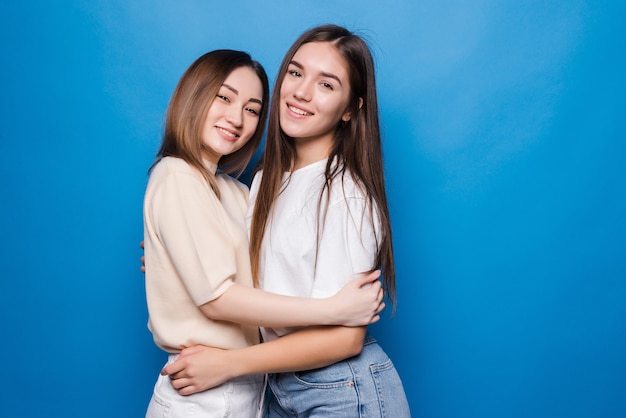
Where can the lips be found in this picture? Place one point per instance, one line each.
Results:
(230, 135)
(298, 111)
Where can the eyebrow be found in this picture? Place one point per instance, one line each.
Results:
(322, 73)
(234, 90)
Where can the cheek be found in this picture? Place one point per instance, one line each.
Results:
(330, 103)
(332, 110)
(251, 126)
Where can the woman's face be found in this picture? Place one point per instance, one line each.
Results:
(314, 94)
(233, 115)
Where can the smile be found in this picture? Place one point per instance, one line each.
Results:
(298, 111)
(227, 133)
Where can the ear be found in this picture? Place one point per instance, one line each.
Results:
(348, 115)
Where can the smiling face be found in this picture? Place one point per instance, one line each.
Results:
(314, 97)
(233, 115)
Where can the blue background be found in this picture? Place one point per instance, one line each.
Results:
(504, 125)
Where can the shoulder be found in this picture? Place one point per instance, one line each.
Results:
(172, 165)
(346, 186)
(172, 175)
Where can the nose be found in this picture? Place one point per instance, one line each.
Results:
(303, 91)
(235, 117)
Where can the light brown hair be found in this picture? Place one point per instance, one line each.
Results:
(188, 107)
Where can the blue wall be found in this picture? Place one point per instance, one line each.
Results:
(504, 128)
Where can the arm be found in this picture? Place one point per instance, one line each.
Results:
(255, 307)
(190, 225)
(358, 303)
(199, 367)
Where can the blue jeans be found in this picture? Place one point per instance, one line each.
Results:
(364, 386)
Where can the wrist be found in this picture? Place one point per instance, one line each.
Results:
(328, 311)
(240, 366)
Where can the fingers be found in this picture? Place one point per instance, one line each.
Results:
(373, 289)
(372, 279)
(377, 286)
(362, 280)
(186, 391)
(180, 383)
(380, 307)
(375, 275)
(189, 351)
(183, 384)
(173, 368)
(143, 260)
(375, 319)
(189, 390)
(365, 279)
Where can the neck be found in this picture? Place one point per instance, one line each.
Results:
(309, 152)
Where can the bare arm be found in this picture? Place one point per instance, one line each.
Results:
(356, 304)
(199, 367)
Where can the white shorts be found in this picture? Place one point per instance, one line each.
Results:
(238, 398)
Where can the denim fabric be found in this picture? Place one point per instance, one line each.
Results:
(237, 398)
(365, 386)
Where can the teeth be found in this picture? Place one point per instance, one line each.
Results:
(298, 111)
(227, 132)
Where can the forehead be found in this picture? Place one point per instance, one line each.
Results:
(246, 82)
(322, 57)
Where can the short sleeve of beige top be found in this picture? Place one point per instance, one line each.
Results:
(196, 247)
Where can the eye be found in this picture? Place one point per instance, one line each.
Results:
(327, 85)
(224, 98)
(295, 73)
(255, 112)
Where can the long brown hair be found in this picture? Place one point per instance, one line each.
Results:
(188, 107)
(356, 149)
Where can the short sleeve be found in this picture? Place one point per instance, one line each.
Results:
(189, 222)
(348, 245)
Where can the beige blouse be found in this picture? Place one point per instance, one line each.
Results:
(196, 247)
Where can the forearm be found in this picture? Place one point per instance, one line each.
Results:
(306, 349)
(199, 367)
(253, 306)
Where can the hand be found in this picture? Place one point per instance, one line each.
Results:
(199, 368)
(360, 301)
(143, 259)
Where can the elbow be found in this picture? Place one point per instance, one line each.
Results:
(223, 307)
(212, 311)
(354, 345)
(356, 349)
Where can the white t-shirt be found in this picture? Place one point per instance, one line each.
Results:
(347, 240)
